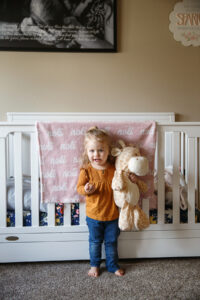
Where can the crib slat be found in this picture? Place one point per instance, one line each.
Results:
(186, 158)
(191, 180)
(198, 173)
(176, 178)
(67, 214)
(82, 214)
(18, 179)
(145, 206)
(34, 182)
(161, 191)
(183, 153)
(51, 214)
(3, 204)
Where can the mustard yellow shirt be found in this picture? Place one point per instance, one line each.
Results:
(100, 204)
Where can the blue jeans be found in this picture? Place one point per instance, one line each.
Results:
(107, 231)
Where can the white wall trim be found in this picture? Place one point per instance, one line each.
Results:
(105, 116)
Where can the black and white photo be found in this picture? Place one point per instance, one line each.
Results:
(58, 25)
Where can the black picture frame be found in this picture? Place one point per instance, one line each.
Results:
(58, 25)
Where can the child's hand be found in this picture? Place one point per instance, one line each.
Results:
(89, 188)
(133, 178)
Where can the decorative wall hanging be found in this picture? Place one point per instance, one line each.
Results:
(58, 25)
(185, 22)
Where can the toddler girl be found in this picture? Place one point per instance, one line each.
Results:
(101, 212)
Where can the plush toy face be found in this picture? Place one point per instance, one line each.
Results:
(138, 165)
(129, 159)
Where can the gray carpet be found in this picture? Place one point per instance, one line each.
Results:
(144, 279)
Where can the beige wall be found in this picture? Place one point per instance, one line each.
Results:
(150, 73)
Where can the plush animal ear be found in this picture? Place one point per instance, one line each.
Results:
(121, 143)
(116, 152)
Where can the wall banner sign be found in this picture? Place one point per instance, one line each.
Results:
(185, 22)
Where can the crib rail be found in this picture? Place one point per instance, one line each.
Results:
(185, 157)
(185, 136)
(3, 206)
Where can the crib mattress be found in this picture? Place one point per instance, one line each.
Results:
(59, 210)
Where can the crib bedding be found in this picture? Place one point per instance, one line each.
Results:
(26, 185)
(59, 210)
(43, 216)
(169, 216)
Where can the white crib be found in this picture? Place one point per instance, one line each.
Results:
(177, 144)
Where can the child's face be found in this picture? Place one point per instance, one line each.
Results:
(97, 153)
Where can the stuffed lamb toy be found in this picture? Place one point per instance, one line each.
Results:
(168, 178)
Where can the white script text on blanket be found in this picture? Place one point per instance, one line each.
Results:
(61, 146)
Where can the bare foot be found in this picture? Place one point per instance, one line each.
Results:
(120, 272)
(94, 272)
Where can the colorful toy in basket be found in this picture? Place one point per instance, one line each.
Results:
(127, 187)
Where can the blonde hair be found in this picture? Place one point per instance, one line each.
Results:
(99, 135)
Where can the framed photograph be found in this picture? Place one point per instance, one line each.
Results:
(58, 25)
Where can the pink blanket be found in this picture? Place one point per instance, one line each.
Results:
(61, 146)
